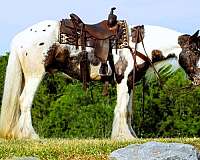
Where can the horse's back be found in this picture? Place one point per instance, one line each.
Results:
(161, 37)
(33, 43)
(40, 31)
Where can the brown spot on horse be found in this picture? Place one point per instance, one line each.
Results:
(157, 55)
(189, 57)
(56, 58)
(120, 68)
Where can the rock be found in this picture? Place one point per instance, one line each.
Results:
(156, 151)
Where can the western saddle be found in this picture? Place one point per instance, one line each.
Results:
(103, 37)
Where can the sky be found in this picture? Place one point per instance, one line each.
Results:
(16, 15)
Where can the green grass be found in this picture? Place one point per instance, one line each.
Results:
(64, 149)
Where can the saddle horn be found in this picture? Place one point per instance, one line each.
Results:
(112, 18)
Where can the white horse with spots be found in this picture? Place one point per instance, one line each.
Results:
(25, 71)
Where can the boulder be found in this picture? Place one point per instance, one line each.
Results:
(156, 151)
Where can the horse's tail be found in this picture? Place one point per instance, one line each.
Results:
(10, 109)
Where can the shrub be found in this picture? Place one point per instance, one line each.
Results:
(70, 112)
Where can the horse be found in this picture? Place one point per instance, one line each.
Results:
(26, 68)
(189, 58)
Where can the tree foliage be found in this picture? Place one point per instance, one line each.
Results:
(3, 64)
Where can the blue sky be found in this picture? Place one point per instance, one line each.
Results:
(16, 15)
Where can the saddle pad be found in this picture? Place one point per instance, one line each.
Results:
(123, 41)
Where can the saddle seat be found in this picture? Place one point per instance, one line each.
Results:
(99, 31)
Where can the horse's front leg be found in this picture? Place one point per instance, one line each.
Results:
(130, 114)
(121, 125)
(122, 128)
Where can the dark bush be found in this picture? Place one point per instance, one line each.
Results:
(3, 64)
(70, 112)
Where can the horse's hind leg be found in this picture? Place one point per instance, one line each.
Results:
(24, 128)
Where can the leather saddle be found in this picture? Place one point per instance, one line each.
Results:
(100, 31)
(103, 37)
(97, 35)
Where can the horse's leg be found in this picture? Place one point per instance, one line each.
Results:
(130, 113)
(24, 128)
(120, 128)
(122, 115)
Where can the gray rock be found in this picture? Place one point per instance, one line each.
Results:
(156, 151)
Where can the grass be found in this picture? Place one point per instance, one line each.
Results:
(64, 149)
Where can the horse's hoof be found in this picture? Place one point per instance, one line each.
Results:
(35, 137)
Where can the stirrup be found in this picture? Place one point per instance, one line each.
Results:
(103, 71)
